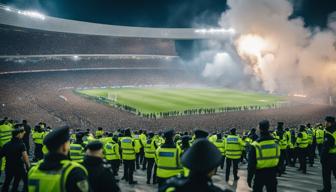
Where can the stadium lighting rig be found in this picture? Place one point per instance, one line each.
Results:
(32, 14)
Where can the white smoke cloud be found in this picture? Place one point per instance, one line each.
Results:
(222, 65)
(291, 52)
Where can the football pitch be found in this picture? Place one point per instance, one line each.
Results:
(156, 100)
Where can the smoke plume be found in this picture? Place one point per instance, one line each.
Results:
(271, 51)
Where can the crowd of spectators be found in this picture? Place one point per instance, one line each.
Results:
(80, 63)
(21, 41)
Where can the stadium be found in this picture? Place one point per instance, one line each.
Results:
(87, 75)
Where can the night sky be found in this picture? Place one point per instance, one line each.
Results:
(160, 13)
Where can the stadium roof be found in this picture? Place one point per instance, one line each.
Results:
(34, 20)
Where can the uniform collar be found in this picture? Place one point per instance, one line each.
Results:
(52, 161)
(91, 160)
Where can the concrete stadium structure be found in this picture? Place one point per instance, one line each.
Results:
(33, 20)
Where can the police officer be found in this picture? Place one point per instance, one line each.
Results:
(168, 159)
(263, 161)
(17, 160)
(128, 156)
(202, 159)
(38, 136)
(280, 137)
(319, 138)
(220, 144)
(99, 133)
(302, 145)
(310, 148)
(55, 172)
(77, 149)
(233, 147)
(328, 153)
(26, 137)
(150, 148)
(112, 154)
(101, 177)
(138, 146)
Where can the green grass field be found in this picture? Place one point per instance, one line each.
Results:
(155, 100)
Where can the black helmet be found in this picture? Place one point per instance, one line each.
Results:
(202, 157)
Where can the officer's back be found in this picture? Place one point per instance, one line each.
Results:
(101, 177)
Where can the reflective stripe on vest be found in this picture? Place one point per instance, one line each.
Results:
(233, 149)
(109, 151)
(76, 152)
(127, 148)
(267, 154)
(168, 162)
(150, 149)
(303, 142)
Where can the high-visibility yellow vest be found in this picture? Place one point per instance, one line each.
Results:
(127, 148)
(319, 136)
(143, 139)
(282, 142)
(99, 133)
(5, 134)
(302, 142)
(288, 137)
(233, 147)
(87, 139)
(53, 180)
(212, 138)
(38, 137)
(168, 162)
(76, 152)
(150, 149)
(111, 151)
(219, 143)
(333, 149)
(310, 136)
(267, 154)
(137, 143)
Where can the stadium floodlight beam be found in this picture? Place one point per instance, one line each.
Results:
(27, 19)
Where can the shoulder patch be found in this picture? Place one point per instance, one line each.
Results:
(83, 186)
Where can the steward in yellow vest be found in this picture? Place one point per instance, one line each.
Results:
(168, 159)
(328, 153)
(311, 144)
(143, 140)
(319, 138)
(280, 138)
(77, 149)
(5, 133)
(234, 146)
(38, 136)
(128, 156)
(138, 146)
(263, 161)
(99, 133)
(112, 154)
(220, 144)
(55, 172)
(302, 145)
(150, 148)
